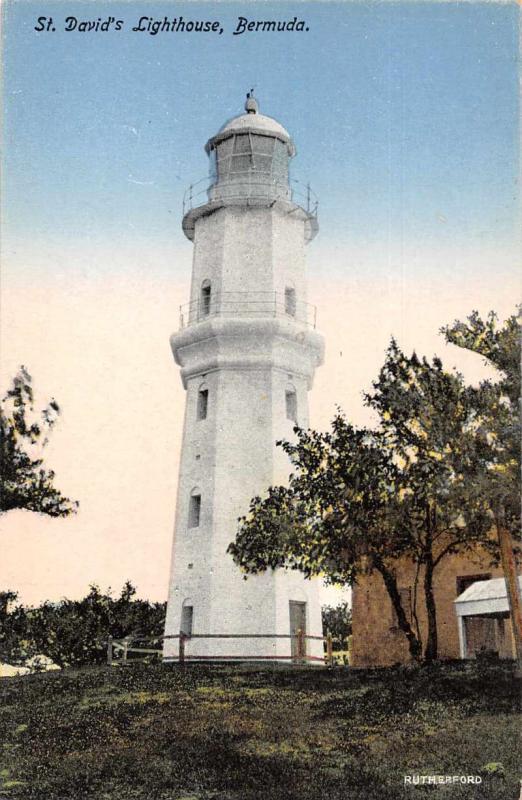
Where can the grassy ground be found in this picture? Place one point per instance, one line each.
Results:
(235, 733)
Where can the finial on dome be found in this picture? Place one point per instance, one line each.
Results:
(251, 106)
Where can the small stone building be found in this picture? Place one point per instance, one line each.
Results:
(378, 641)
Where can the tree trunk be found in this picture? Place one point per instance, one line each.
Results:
(512, 586)
(431, 651)
(414, 614)
(390, 582)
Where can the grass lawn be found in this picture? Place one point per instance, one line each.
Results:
(152, 732)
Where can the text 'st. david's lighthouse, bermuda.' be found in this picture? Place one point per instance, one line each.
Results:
(248, 349)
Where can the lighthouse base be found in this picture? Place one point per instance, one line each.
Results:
(275, 617)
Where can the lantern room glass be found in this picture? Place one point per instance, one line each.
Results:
(252, 155)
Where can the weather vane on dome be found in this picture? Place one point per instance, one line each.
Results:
(251, 106)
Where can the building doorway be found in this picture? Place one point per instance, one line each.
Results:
(480, 635)
(297, 623)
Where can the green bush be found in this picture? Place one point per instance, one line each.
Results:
(74, 632)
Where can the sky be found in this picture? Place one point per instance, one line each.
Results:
(405, 119)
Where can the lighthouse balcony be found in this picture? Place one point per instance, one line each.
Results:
(248, 304)
(250, 188)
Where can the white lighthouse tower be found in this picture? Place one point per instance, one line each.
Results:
(248, 349)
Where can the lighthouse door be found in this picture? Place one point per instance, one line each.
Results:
(297, 623)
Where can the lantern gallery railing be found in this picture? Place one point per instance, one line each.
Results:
(247, 304)
(240, 186)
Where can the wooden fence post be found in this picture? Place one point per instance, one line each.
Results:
(109, 651)
(329, 649)
(182, 649)
(125, 648)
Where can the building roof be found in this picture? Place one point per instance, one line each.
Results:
(484, 597)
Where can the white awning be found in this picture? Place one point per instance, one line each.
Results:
(484, 597)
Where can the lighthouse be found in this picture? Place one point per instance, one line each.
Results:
(248, 349)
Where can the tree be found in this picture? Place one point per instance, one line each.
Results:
(338, 621)
(498, 427)
(427, 418)
(14, 644)
(74, 632)
(336, 518)
(496, 407)
(360, 500)
(25, 483)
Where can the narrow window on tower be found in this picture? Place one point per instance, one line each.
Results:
(206, 296)
(202, 408)
(290, 301)
(291, 404)
(187, 620)
(194, 509)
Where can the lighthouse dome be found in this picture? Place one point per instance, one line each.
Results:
(252, 123)
(255, 121)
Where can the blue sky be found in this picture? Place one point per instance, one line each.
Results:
(404, 115)
(405, 119)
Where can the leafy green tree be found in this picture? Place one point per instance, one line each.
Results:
(15, 644)
(338, 621)
(360, 500)
(74, 632)
(496, 405)
(24, 482)
(497, 424)
(337, 517)
(427, 419)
